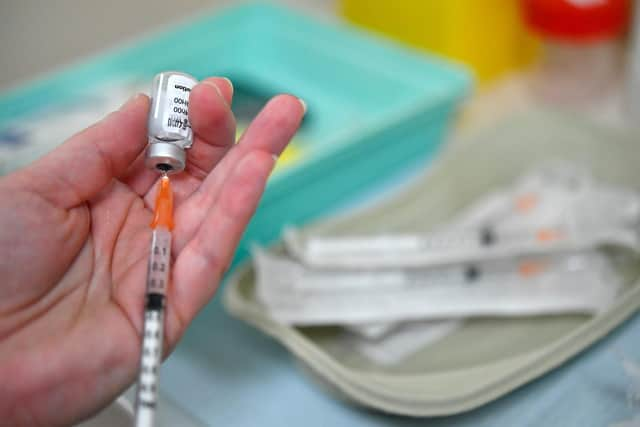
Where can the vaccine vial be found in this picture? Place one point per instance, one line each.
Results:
(169, 129)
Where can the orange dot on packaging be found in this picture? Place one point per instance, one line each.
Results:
(548, 235)
(530, 268)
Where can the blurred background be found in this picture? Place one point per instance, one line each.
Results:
(72, 30)
(418, 113)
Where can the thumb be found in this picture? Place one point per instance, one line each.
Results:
(82, 166)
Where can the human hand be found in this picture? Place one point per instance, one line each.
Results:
(74, 239)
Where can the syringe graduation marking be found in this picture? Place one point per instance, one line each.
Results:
(157, 281)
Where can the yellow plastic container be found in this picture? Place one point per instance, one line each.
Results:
(487, 35)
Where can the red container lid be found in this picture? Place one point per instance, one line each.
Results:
(577, 20)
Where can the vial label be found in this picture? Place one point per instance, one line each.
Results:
(176, 117)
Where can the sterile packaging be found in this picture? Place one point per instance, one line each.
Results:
(400, 340)
(556, 208)
(571, 283)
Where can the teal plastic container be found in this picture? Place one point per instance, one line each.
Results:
(374, 108)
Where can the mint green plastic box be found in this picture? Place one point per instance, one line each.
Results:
(374, 108)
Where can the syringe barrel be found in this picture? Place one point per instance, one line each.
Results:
(150, 360)
(153, 330)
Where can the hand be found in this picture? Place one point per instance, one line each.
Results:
(74, 240)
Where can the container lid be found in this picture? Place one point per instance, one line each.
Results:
(577, 20)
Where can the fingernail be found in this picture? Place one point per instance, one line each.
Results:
(275, 157)
(131, 100)
(229, 83)
(213, 85)
(304, 105)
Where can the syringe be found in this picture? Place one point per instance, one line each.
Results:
(170, 135)
(157, 282)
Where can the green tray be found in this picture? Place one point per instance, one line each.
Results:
(485, 358)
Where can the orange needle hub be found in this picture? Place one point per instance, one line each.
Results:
(163, 213)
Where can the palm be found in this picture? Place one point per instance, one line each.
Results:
(71, 308)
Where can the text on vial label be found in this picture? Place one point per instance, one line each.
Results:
(176, 115)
